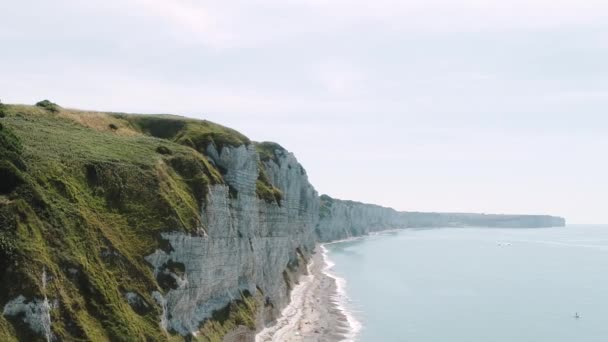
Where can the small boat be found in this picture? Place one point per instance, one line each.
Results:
(576, 315)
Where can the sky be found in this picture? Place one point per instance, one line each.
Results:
(424, 105)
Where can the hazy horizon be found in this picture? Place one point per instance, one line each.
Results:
(445, 106)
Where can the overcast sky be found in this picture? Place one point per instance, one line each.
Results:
(432, 105)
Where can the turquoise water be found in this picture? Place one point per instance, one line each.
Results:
(478, 284)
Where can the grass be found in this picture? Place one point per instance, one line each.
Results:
(269, 151)
(7, 333)
(86, 202)
(265, 190)
(197, 134)
(240, 312)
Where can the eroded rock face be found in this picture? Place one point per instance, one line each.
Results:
(249, 242)
(343, 219)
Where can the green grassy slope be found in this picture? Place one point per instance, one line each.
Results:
(189, 132)
(84, 196)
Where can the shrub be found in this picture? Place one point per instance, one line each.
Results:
(7, 249)
(48, 105)
(10, 177)
(268, 192)
(113, 127)
(10, 147)
(2, 110)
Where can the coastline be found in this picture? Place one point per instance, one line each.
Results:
(317, 310)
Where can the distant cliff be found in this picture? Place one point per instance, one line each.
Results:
(339, 219)
(117, 227)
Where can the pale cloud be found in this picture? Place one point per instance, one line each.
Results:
(339, 78)
(194, 20)
(500, 101)
(237, 24)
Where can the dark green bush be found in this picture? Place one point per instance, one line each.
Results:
(163, 150)
(48, 105)
(2, 110)
(10, 177)
(7, 250)
(10, 147)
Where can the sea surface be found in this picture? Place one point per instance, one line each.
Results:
(477, 284)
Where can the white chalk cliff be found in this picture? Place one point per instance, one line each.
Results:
(251, 245)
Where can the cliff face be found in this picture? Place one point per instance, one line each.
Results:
(251, 246)
(125, 227)
(417, 219)
(339, 219)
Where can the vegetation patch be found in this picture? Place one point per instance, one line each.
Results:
(163, 150)
(2, 110)
(48, 105)
(269, 151)
(238, 313)
(8, 246)
(7, 333)
(10, 147)
(197, 134)
(265, 190)
(10, 177)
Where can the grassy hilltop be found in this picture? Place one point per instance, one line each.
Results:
(83, 197)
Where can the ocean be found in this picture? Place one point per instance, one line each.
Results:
(476, 284)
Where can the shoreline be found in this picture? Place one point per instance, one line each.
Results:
(340, 298)
(317, 310)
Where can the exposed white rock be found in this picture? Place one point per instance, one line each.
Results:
(249, 241)
(163, 304)
(35, 313)
(343, 219)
